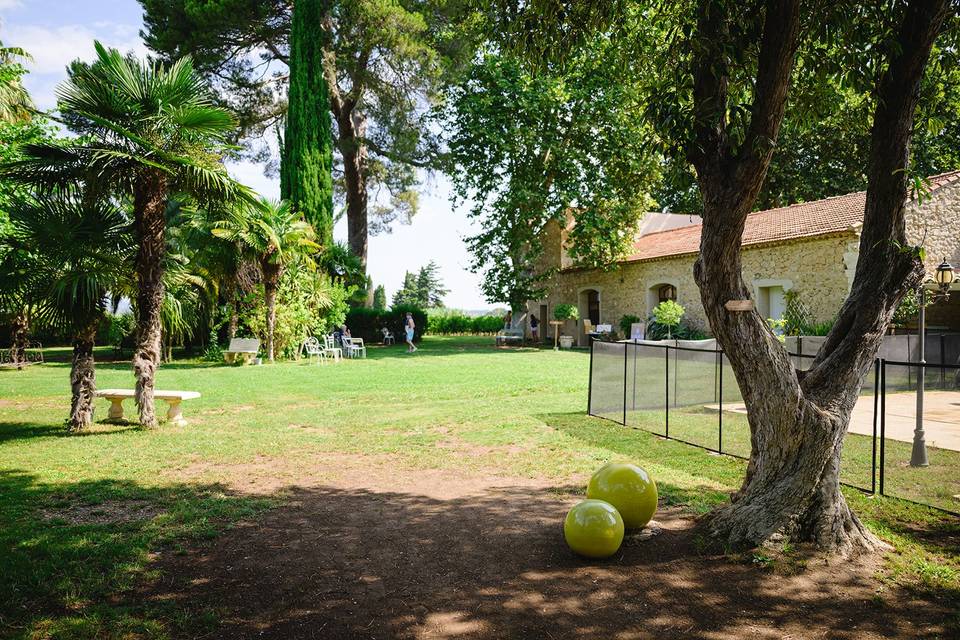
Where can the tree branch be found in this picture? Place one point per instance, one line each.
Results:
(885, 270)
(777, 54)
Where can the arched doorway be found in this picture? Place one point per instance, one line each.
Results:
(588, 304)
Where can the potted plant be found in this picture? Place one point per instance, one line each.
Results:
(668, 313)
(564, 312)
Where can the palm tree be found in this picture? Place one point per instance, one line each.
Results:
(151, 132)
(15, 103)
(274, 235)
(81, 248)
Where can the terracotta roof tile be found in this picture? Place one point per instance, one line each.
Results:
(829, 216)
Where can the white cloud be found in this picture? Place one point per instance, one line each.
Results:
(10, 4)
(53, 48)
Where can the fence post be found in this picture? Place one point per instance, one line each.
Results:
(883, 419)
(666, 389)
(876, 399)
(720, 412)
(590, 385)
(624, 384)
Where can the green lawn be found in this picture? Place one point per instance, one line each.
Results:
(67, 563)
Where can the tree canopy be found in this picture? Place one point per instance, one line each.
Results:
(384, 61)
(529, 147)
(423, 289)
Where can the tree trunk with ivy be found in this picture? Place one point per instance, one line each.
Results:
(149, 204)
(798, 419)
(83, 379)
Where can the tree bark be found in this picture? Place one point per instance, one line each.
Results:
(19, 339)
(353, 127)
(798, 420)
(271, 278)
(83, 379)
(150, 202)
(234, 302)
(351, 132)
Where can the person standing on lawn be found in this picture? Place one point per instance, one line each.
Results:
(534, 327)
(409, 325)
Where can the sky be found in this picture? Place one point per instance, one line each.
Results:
(55, 32)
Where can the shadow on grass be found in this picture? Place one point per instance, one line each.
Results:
(67, 549)
(362, 563)
(10, 431)
(111, 559)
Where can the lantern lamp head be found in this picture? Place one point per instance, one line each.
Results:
(944, 276)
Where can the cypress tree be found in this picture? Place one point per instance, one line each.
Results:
(307, 155)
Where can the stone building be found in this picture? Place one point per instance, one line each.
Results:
(811, 248)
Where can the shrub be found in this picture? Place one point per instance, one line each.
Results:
(821, 328)
(308, 304)
(213, 352)
(565, 312)
(683, 331)
(368, 323)
(486, 324)
(626, 322)
(448, 321)
(117, 330)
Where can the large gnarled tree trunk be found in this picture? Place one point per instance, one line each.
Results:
(83, 379)
(150, 202)
(798, 420)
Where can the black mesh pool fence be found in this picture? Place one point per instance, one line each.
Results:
(686, 391)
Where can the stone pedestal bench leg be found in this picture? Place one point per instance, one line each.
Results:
(174, 413)
(116, 409)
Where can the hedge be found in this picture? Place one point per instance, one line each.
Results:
(445, 322)
(367, 323)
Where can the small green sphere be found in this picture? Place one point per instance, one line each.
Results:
(628, 488)
(594, 529)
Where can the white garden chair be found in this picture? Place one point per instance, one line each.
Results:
(355, 347)
(331, 350)
(313, 349)
(387, 336)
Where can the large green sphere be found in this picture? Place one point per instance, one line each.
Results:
(628, 488)
(594, 529)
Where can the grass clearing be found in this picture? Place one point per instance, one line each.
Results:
(81, 517)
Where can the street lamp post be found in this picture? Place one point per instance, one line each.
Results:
(944, 279)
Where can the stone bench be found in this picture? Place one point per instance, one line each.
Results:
(246, 348)
(172, 398)
(509, 335)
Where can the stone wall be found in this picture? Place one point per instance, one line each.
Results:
(817, 268)
(935, 225)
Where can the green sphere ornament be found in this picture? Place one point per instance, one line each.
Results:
(594, 529)
(628, 488)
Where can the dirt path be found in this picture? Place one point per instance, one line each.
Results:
(373, 551)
